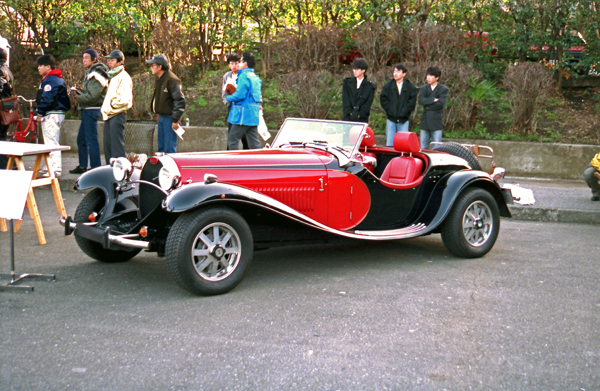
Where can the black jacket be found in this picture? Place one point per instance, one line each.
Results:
(357, 103)
(168, 97)
(433, 112)
(6, 81)
(398, 107)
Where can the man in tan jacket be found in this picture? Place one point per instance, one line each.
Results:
(119, 99)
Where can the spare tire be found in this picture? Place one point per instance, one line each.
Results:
(461, 151)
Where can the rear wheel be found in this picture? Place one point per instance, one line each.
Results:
(461, 151)
(209, 250)
(94, 202)
(471, 228)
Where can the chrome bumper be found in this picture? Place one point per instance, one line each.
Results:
(102, 235)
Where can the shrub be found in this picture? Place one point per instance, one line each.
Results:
(436, 43)
(378, 44)
(73, 73)
(528, 85)
(307, 48)
(310, 94)
(143, 90)
(178, 44)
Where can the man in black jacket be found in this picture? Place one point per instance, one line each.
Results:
(398, 99)
(433, 98)
(358, 93)
(168, 102)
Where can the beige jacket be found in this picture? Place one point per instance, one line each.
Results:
(119, 96)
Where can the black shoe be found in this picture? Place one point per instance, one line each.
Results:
(78, 170)
(595, 198)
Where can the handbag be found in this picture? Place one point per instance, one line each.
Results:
(9, 110)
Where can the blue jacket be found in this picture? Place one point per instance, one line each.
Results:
(246, 99)
(52, 95)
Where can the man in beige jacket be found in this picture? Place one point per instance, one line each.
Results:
(119, 99)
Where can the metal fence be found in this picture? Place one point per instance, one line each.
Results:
(139, 137)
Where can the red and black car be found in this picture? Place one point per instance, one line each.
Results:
(320, 181)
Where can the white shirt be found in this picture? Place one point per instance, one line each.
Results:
(400, 87)
(359, 82)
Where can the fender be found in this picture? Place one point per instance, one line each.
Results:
(102, 178)
(456, 183)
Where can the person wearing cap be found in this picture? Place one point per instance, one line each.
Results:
(358, 93)
(90, 100)
(245, 109)
(6, 90)
(168, 102)
(52, 103)
(118, 99)
(591, 176)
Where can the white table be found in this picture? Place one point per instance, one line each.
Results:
(15, 152)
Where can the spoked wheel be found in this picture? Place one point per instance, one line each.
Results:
(209, 250)
(94, 202)
(471, 228)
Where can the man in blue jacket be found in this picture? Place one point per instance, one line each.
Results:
(245, 109)
(52, 103)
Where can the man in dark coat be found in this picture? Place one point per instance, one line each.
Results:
(168, 102)
(433, 99)
(6, 90)
(358, 93)
(398, 99)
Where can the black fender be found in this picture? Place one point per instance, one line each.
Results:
(195, 195)
(456, 183)
(116, 193)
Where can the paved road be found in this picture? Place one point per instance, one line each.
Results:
(396, 315)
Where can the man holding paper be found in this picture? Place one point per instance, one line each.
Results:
(168, 102)
(245, 110)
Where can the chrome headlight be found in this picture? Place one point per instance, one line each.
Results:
(169, 175)
(122, 169)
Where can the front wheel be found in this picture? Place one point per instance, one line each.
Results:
(94, 202)
(471, 228)
(209, 250)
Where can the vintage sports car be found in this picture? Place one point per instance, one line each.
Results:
(320, 181)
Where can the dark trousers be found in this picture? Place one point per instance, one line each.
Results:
(87, 139)
(239, 131)
(244, 139)
(114, 140)
(3, 158)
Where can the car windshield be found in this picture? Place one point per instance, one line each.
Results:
(338, 135)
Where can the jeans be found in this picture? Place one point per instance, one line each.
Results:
(114, 137)
(167, 138)
(427, 137)
(238, 131)
(392, 128)
(51, 130)
(87, 139)
(3, 158)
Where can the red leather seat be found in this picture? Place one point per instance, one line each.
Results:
(404, 169)
(369, 141)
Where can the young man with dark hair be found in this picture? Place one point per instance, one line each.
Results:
(432, 97)
(245, 110)
(358, 93)
(168, 102)
(398, 99)
(118, 99)
(90, 100)
(52, 103)
(6, 90)
(228, 87)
